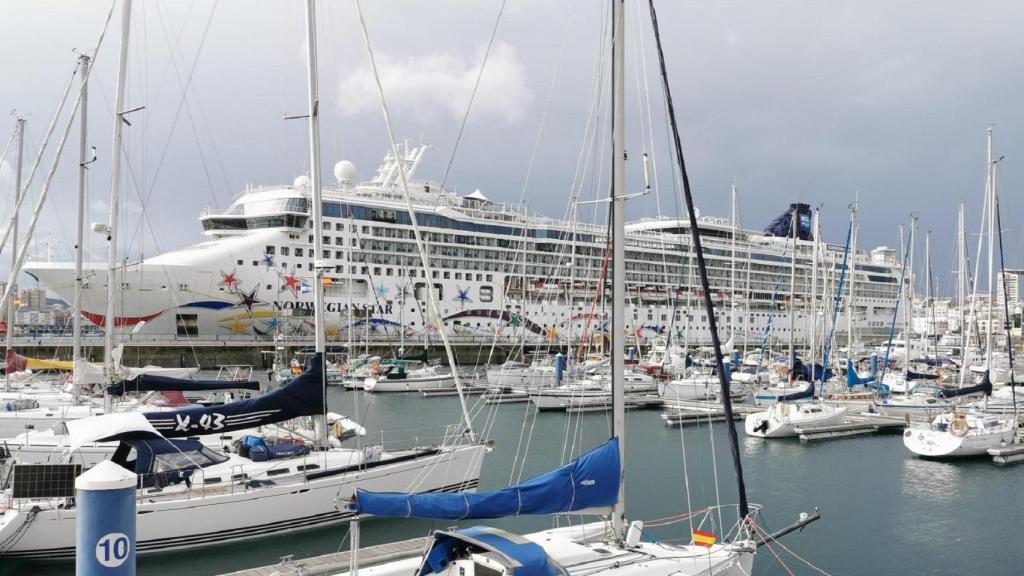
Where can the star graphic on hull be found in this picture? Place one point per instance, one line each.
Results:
(381, 290)
(268, 260)
(238, 327)
(515, 320)
(463, 296)
(229, 279)
(292, 282)
(551, 333)
(403, 293)
(249, 300)
(273, 323)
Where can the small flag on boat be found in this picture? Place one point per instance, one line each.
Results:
(701, 538)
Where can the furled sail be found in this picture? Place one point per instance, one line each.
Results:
(985, 387)
(303, 396)
(153, 383)
(590, 481)
(18, 363)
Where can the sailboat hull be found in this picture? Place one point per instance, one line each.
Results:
(245, 513)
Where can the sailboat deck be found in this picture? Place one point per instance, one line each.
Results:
(340, 561)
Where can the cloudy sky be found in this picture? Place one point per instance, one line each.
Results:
(824, 103)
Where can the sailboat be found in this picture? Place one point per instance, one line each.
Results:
(970, 432)
(796, 408)
(191, 495)
(593, 482)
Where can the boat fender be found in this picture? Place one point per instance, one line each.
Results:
(958, 426)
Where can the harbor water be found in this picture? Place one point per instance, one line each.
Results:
(883, 510)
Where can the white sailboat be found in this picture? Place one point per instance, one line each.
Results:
(964, 433)
(261, 487)
(591, 483)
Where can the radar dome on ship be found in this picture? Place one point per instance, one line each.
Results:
(345, 172)
(301, 181)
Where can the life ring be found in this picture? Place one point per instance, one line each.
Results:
(958, 426)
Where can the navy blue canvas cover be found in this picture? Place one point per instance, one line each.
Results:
(152, 383)
(526, 558)
(303, 396)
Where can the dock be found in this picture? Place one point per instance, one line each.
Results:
(857, 425)
(686, 412)
(1010, 454)
(339, 561)
(466, 391)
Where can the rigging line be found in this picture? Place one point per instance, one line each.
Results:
(547, 100)
(472, 96)
(20, 195)
(744, 508)
(424, 255)
(972, 325)
(182, 103)
(53, 167)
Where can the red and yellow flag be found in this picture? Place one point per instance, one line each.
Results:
(701, 538)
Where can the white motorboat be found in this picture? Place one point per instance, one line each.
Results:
(782, 419)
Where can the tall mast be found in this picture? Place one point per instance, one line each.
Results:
(792, 290)
(709, 306)
(320, 345)
(11, 308)
(732, 267)
(961, 267)
(618, 205)
(811, 352)
(850, 306)
(115, 200)
(929, 318)
(909, 336)
(76, 318)
(991, 245)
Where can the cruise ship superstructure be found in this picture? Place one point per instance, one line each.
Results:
(251, 277)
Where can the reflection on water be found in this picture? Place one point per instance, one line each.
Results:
(930, 480)
(754, 445)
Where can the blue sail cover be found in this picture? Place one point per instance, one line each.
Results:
(153, 383)
(798, 395)
(303, 396)
(854, 379)
(782, 225)
(526, 558)
(590, 481)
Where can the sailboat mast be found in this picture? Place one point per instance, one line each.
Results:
(930, 317)
(850, 307)
(115, 202)
(812, 349)
(76, 315)
(320, 344)
(732, 268)
(991, 252)
(618, 231)
(11, 308)
(909, 336)
(709, 306)
(792, 291)
(961, 270)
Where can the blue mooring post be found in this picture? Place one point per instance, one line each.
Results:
(728, 371)
(105, 525)
(735, 358)
(874, 364)
(559, 367)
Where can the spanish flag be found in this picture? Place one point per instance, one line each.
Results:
(701, 538)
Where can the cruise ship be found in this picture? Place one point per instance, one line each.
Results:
(500, 272)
